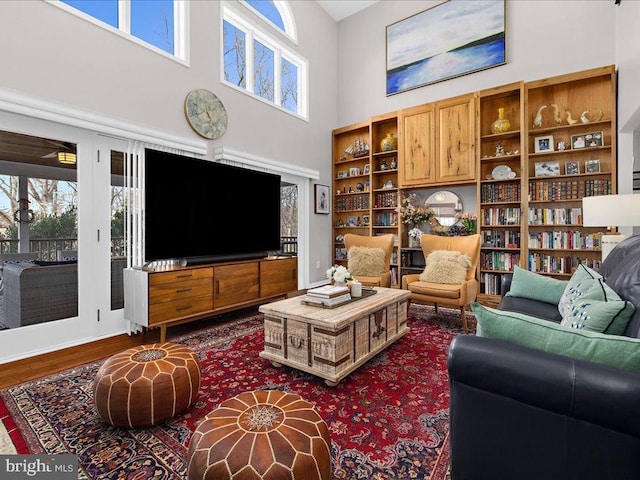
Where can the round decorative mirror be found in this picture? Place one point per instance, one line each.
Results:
(445, 204)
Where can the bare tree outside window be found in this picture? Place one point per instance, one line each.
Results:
(289, 211)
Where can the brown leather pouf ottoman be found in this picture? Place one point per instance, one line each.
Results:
(146, 385)
(261, 435)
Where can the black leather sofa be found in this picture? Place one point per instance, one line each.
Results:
(523, 414)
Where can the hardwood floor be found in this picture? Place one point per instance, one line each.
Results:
(20, 371)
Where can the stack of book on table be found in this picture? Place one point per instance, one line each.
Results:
(328, 295)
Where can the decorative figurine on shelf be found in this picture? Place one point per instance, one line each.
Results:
(394, 163)
(499, 149)
(584, 118)
(359, 187)
(599, 116)
(436, 227)
(557, 120)
(537, 120)
(389, 143)
(383, 165)
(501, 125)
(388, 184)
(562, 146)
(570, 119)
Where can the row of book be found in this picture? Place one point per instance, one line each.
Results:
(357, 202)
(490, 283)
(555, 216)
(341, 253)
(538, 262)
(386, 219)
(503, 261)
(500, 216)
(501, 238)
(500, 192)
(567, 189)
(385, 200)
(571, 240)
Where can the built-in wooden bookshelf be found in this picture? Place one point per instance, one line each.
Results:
(529, 186)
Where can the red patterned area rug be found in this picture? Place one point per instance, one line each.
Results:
(388, 419)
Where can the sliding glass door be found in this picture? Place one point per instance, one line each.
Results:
(61, 240)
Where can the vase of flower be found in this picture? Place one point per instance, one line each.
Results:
(339, 275)
(389, 143)
(414, 237)
(501, 124)
(468, 221)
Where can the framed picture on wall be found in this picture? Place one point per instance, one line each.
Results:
(450, 39)
(322, 199)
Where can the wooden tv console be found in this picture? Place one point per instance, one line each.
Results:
(166, 296)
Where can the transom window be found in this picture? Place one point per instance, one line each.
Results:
(276, 12)
(157, 23)
(260, 65)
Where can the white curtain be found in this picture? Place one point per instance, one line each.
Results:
(134, 182)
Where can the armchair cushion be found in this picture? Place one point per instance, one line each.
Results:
(366, 261)
(614, 350)
(526, 284)
(446, 266)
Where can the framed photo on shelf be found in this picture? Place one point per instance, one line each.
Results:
(354, 171)
(594, 139)
(322, 200)
(366, 219)
(547, 169)
(342, 174)
(592, 166)
(367, 169)
(578, 141)
(543, 144)
(572, 168)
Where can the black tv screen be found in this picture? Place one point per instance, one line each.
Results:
(200, 208)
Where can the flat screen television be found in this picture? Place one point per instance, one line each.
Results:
(200, 211)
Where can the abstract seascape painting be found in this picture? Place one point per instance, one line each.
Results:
(453, 38)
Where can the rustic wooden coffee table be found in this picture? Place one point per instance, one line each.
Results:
(332, 343)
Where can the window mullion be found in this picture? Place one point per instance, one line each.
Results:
(180, 37)
(277, 76)
(250, 71)
(124, 16)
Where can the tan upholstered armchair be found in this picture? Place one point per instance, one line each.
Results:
(454, 295)
(384, 242)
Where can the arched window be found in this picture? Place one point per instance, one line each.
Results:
(278, 13)
(261, 65)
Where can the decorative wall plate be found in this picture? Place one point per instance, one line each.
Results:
(205, 113)
(502, 172)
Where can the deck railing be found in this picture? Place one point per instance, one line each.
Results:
(48, 247)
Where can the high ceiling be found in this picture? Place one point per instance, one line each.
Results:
(340, 9)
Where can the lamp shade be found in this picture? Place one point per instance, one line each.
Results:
(611, 211)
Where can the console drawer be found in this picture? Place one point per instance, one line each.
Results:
(180, 276)
(161, 312)
(167, 292)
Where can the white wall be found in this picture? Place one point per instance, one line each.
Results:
(544, 38)
(52, 54)
(627, 37)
